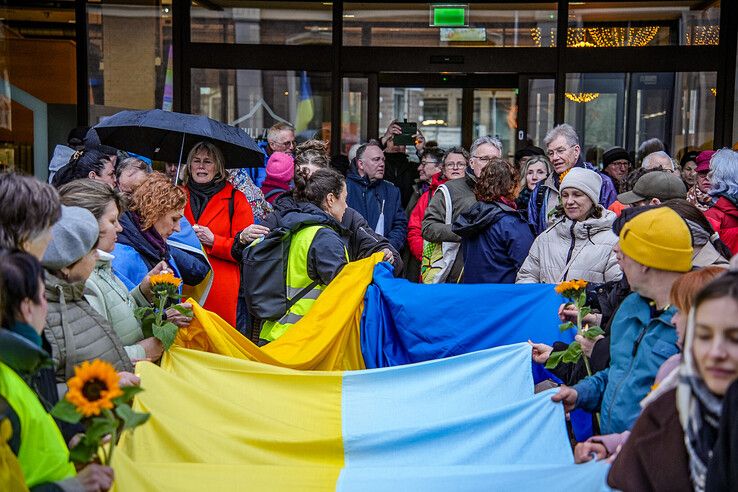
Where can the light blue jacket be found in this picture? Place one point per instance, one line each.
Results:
(639, 344)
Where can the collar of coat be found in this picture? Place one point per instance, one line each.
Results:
(21, 354)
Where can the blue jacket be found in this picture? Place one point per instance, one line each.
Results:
(366, 198)
(640, 341)
(495, 240)
(542, 201)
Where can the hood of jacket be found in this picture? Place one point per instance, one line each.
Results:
(308, 214)
(586, 228)
(132, 236)
(21, 354)
(57, 288)
(479, 218)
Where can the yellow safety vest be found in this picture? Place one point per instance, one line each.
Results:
(43, 454)
(297, 279)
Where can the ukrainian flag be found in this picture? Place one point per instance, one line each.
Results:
(469, 422)
(305, 107)
(297, 415)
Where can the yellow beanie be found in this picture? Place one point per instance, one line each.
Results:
(659, 239)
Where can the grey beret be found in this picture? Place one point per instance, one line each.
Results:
(71, 238)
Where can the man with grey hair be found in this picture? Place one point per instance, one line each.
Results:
(436, 228)
(564, 152)
(659, 160)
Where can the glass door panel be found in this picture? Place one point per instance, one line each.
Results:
(495, 114)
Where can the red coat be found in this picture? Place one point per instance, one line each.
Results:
(415, 223)
(724, 218)
(223, 296)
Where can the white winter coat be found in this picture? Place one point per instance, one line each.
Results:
(570, 250)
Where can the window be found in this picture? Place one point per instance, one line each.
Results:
(257, 99)
(129, 56)
(489, 25)
(635, 24)
(625, 109)
(284, 23)
(439, 122)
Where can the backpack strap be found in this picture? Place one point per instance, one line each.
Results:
(302, 294)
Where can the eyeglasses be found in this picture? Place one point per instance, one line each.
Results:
(426, 163)
(483, 158)
(289, 143)
(455, 165)
(559, 151)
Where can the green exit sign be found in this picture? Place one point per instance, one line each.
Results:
(449, 15)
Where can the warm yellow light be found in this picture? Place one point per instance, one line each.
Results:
(582, 97)
(713, 91)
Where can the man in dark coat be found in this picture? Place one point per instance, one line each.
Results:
(377, 200)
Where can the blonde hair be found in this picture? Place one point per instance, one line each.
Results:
(215, 154)
(156, 197)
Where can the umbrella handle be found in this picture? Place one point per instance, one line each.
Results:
(179, 164)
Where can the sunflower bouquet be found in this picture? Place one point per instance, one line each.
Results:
(95, 399)
(165, 288)
(574, 290)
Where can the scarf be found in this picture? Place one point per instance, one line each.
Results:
(153, 237)
(699, 198)
(508, 202)
(200, 195)
(699, 412)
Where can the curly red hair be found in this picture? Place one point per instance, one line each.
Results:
(497, 180)
(156, 197)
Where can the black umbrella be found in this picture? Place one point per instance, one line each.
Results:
(167, 136)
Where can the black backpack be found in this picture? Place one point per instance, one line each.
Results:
(264, 279)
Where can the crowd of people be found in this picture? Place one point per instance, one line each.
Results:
(653, 237)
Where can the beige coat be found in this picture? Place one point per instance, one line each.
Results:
(570, 250)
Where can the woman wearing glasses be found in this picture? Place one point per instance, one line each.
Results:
(578, 245)
(451, 166)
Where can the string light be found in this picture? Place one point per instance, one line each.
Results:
(703, 35)
(713, 91)
(611, 37)
(600, 37)
(582, 97)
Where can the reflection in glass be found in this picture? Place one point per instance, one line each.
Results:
(354, 102)
(677, 108)
(541, 100)
(260, 22)
(436, 111)
(496, 113)
(257, 99)
(635, 24)
(129, 54)
(489, 25)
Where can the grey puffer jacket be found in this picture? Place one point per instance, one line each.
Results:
(570, 250)
(76, 332)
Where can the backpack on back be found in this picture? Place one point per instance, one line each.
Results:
(264, 279)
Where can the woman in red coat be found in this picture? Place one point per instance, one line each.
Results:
(724, 187)
(217, 212)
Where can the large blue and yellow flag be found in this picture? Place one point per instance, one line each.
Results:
(469, 422)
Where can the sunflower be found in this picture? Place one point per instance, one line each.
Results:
(93, 387)
(165, 278)
(570, 288)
